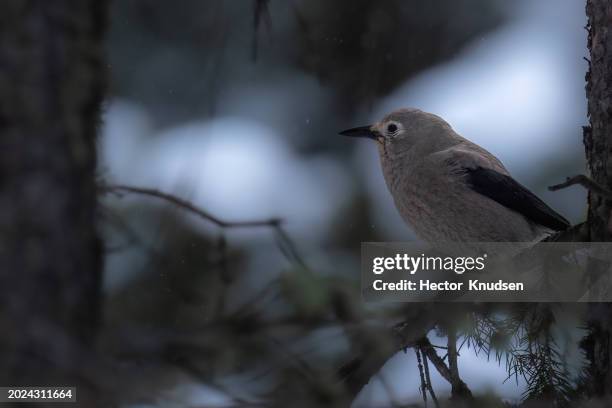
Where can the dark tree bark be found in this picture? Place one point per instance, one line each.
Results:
(598, 136)
(598, 146)
(51, 88)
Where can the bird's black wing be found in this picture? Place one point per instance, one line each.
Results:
(511, 194)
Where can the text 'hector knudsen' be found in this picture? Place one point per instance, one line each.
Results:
(426, 285)
(458, 265)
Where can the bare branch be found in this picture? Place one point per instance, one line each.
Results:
(429, 351)
(460, 389)
(186, 205)
(585, 182)
(428, 380)
(422, 374)
(452, 356)
(286, 245)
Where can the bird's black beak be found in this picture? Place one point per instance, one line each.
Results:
(362, 131)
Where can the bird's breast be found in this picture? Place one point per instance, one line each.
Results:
(439, 206)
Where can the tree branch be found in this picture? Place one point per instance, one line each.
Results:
(430, 352)
(585, 182)
(186, 205)
(286, 245)
(422, 375)
(460, 389)
(428, 380)
(357, 372)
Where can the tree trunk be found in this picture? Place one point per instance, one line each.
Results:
(51, 88)
(598, 145)
(598, 136)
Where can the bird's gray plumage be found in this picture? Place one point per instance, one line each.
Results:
(450, 189)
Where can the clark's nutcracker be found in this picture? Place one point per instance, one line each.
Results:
(450, 189)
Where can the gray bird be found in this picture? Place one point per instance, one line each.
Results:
(450, 189)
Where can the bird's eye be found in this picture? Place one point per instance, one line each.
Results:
(391, 128)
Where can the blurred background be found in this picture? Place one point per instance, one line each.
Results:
(235, 106)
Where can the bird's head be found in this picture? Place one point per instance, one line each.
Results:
(406, 129)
